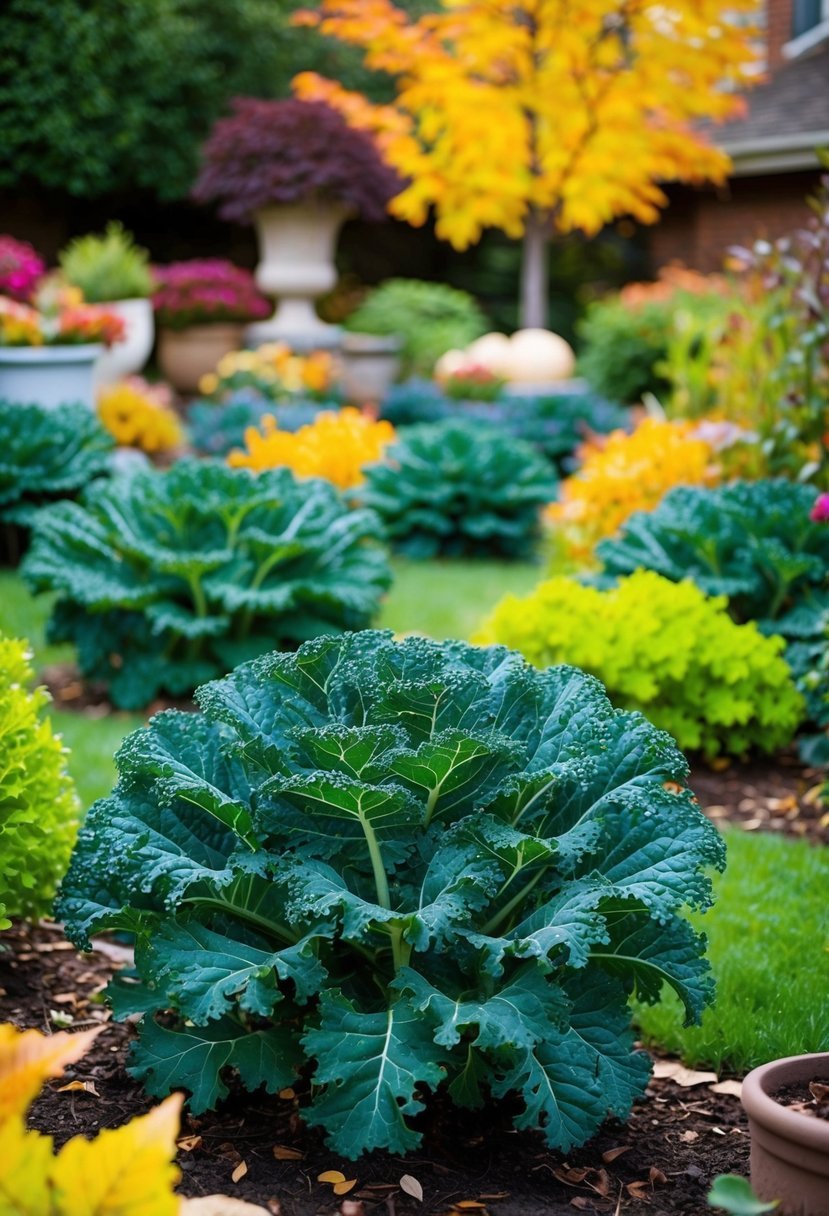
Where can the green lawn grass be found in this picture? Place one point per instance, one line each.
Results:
(441, 599)
(769, 947)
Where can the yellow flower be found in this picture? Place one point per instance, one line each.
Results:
(337, 445)
(135, 417)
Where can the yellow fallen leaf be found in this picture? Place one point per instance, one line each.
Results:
(239, 1172)
(85, 1087)
(28, 1058)
(123, 1172)
(332, 1176)
(287, 1093)
(283, 1153)
(342, 1188)
(187, 1144)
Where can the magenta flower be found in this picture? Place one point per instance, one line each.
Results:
(820, 511)
(20, 269)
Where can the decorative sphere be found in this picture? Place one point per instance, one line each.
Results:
(492, 351)
(538, 355)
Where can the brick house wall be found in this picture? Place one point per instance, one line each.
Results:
(775, 166)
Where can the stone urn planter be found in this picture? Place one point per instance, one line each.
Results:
(129, 356)
(370, 366)
(297, 243)
(789, 1150)
(49, 375)
(185, 355)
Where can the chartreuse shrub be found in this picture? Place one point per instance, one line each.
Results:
(460, 489)
(46, 454)
(757, 544)
(165, 579)
(398, 866)
(666, 649)
(125, 1171)
(38, 805)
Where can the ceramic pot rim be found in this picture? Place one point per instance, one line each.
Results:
(51, 353)
(788, 1124)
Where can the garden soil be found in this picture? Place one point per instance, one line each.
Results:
(661, 1161)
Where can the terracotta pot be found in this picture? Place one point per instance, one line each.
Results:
(185, 355)
(789, 1150)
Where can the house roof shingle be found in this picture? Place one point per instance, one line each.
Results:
(787, 108)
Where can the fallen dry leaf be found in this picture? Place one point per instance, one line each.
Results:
(223, 1205)
(332, 1176)
(613, 1153)
(188, 1144)
(689, 1137)
(638, 1190)
(283, 1153)
(342, 1188)
(734, 1088)
(656, 1176)
(673, 1070)
(84, 1087)
(819, 1091)
(468, 1205)
(239, 1172)
(412, 1187)
(287, 1093)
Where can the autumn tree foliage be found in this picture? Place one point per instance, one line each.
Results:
(542, 115)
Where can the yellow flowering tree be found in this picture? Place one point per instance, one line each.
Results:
(537, 115)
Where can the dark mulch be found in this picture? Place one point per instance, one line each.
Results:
(777, 794)
(69, 690)
(675, 1142)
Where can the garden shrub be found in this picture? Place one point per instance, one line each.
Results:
(38, 804)
(337, 445)
(401, 865)
(429, 318)
(666, 649)
(628, 472)
(108, 267)
(168, 578)
(754, 542)
(622, 347)
(460, 489)
(45, 454)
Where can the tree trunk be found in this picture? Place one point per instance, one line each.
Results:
(535, 272)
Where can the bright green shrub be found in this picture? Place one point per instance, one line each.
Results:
(666, 649)
(429, 318)
(622, 346)
(167, 579)
(754, 542)
(108, 267)
(460, 489)
(38, 805)
(399, 865)
(45, 454)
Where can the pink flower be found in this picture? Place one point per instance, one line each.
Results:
(820, 511)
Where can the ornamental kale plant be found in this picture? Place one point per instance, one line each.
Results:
(38, 804)
(554, 425)
(758, 543)
(167, 579)
(460, 488)
(215, 429)
(395, 866)
(44, 455)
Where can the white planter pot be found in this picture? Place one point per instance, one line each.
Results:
(297, 243)
(48, 375)
(129, 356)
(370, 366)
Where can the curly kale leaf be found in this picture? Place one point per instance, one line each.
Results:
(398, 866)
(168, 579)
